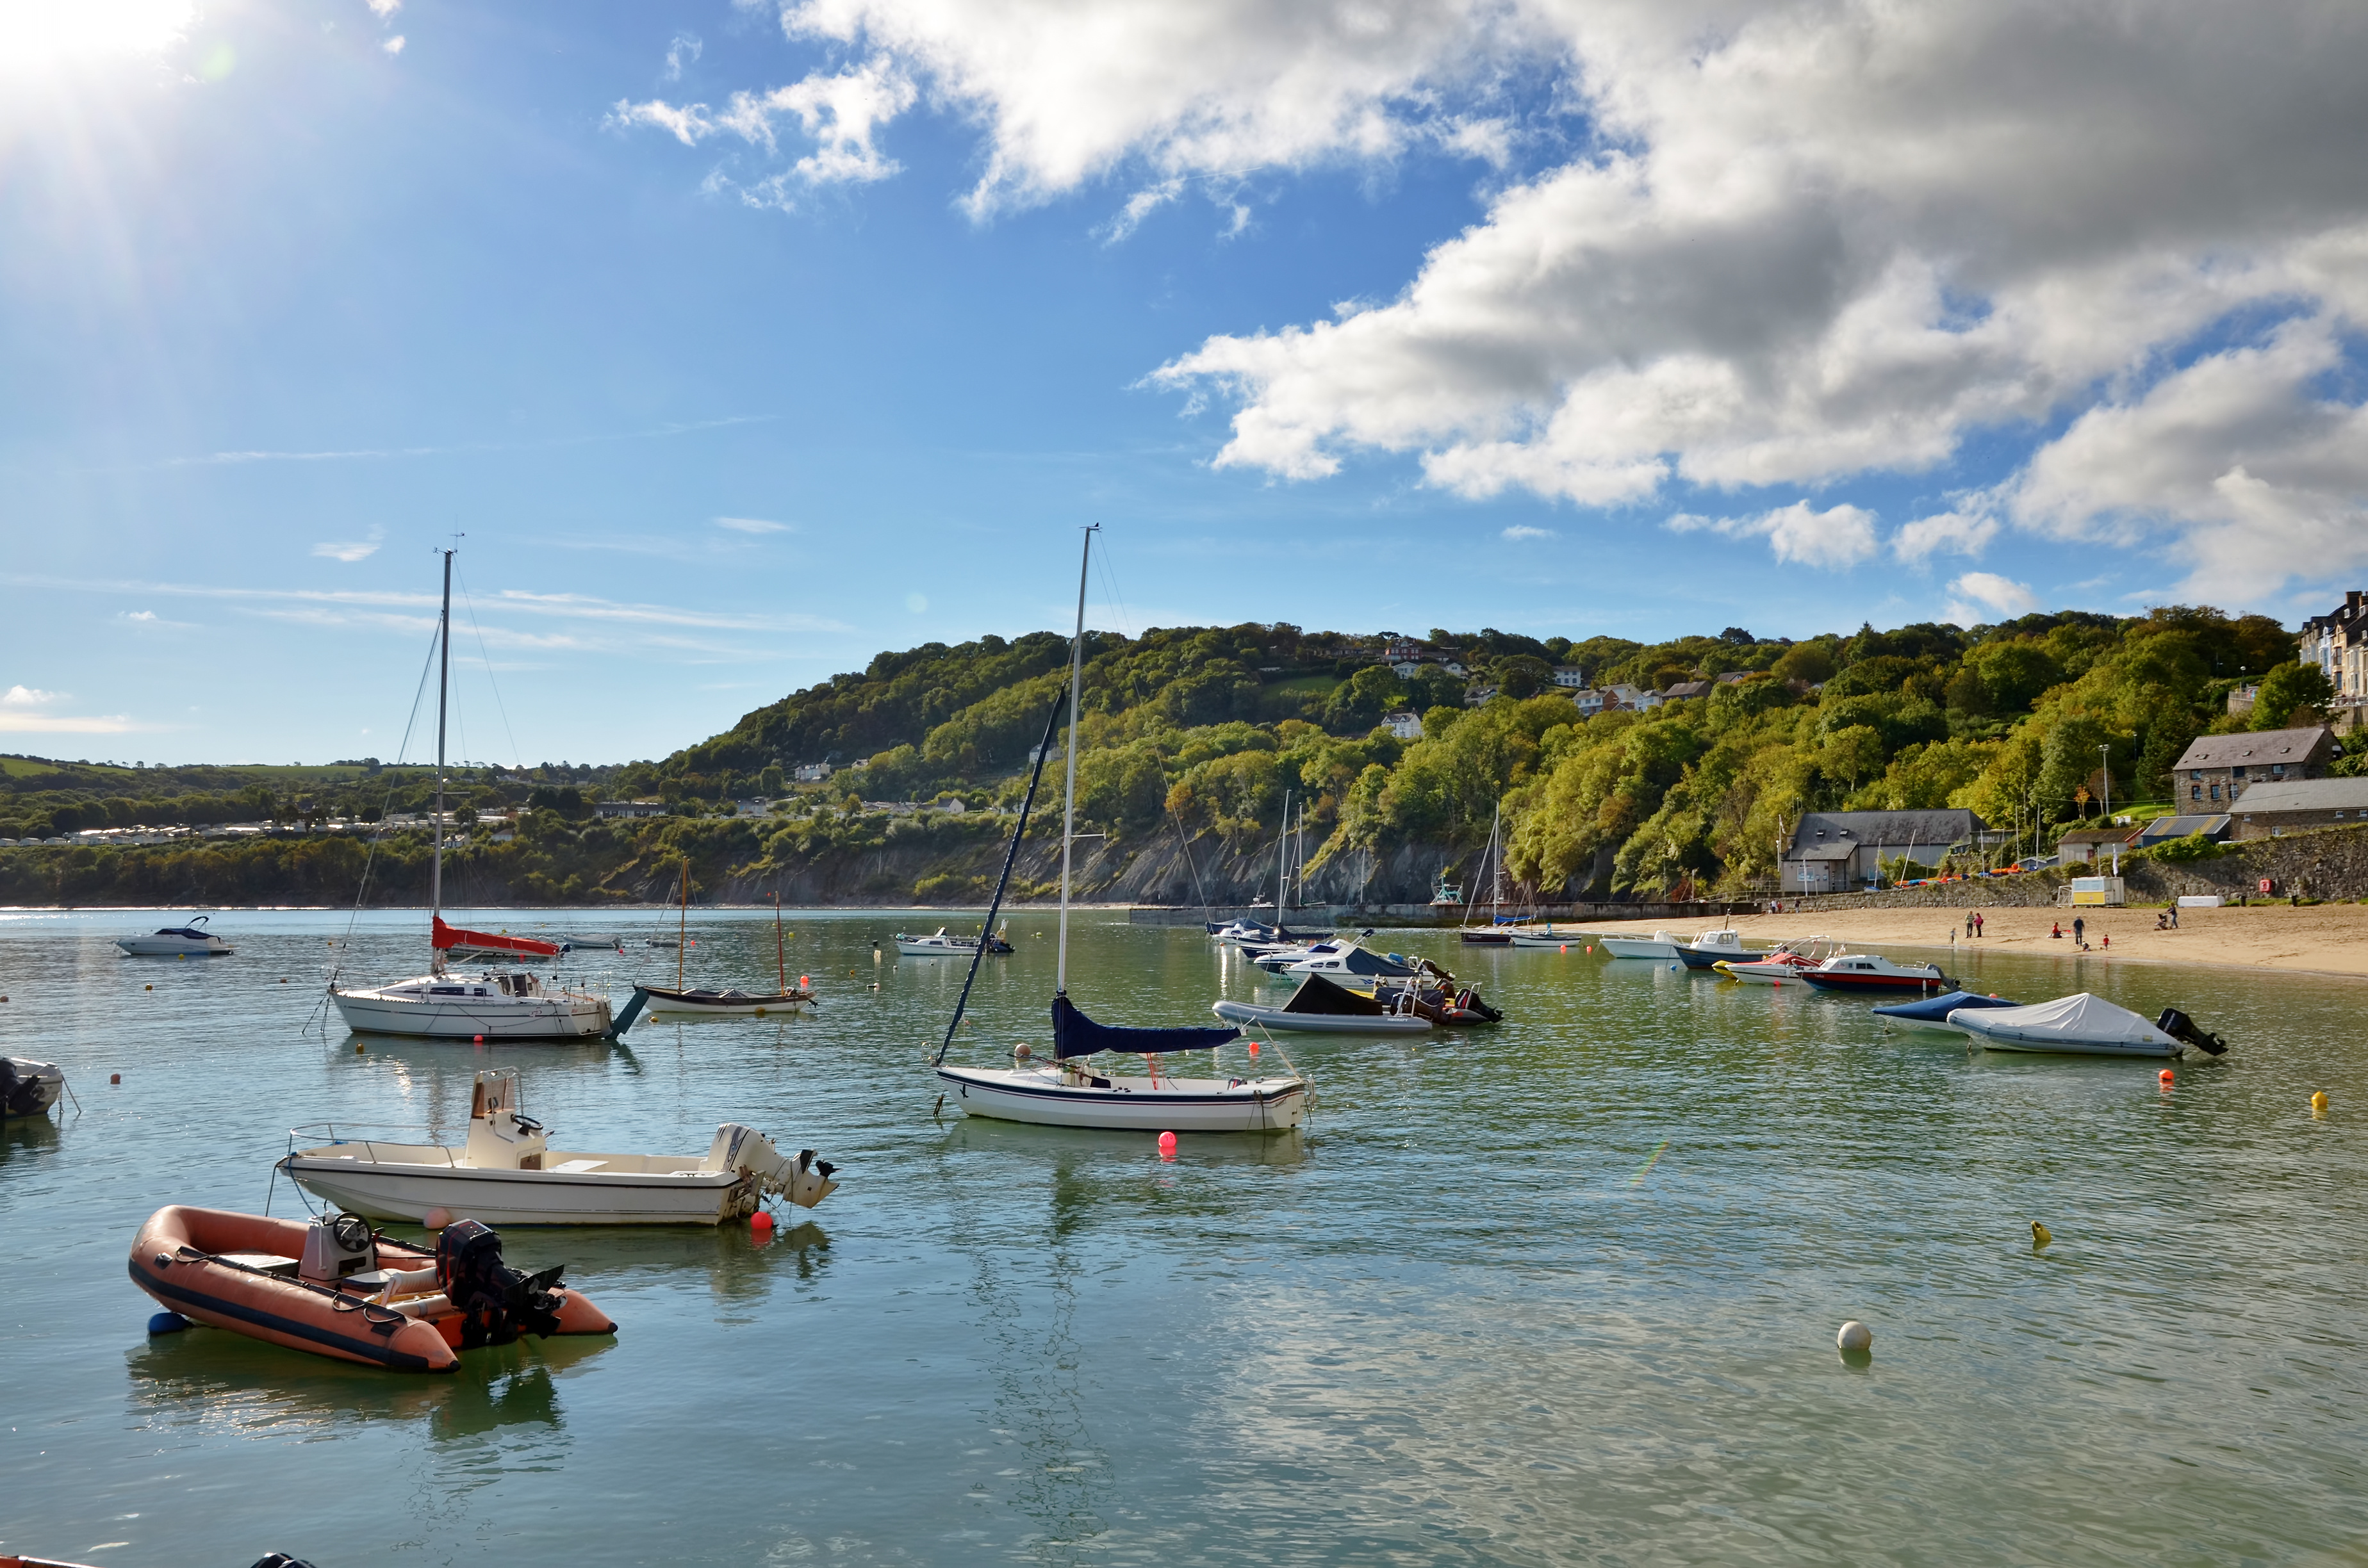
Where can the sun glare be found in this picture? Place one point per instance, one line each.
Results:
(36, 35)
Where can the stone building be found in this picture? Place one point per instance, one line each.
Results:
(2218, 769)
(2270, 811)
(1837, 851)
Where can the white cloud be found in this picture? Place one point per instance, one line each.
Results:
(394, 45)
(1523, 531)
(1954, 533)
(1837, 537)
(753, 525)
(350, 551)
(384, 10)
(20, 713)
(22, 696)
(1979, 598)
(686, 46)
(840, 114)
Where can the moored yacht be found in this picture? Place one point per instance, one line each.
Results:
(190, 941)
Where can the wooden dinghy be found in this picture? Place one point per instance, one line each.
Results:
(335, 1289)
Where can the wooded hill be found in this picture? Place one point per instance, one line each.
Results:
(1192, 735)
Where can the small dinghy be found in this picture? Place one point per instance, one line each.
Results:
(190, 941)
(1318, 1006)
(1932, 1012)
(335, 1289)
(29, 1088)
(507, 1174)
(721, 1004)
(2085, 1024)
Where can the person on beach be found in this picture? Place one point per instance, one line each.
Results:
(2058, 932)
(2174, 918)
(1979, 922)
(2080, 932)
(1969, 924)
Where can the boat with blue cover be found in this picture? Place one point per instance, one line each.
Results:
(1932, 1012)
(1064, 1090)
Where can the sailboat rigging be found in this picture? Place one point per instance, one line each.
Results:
(1064, 1092)
(1491, 859)
(730, 1003)
(496, 1003)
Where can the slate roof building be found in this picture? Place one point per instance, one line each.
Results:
(2269, 810)
(1836, 851)
(2217, 769)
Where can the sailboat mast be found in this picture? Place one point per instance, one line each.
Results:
(780, 952)
(1069, 786)
(443, 683)
(1282, 859)
(682, 924)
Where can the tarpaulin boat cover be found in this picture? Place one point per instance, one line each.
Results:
(1074, 1034)
(1317, 995)
(2079, 1017)
(1935, 1009)
(446, 938)
(1364, 961)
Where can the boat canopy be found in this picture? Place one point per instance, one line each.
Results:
(446, 937)
(2079, 1017)
(1317, 995)
(1074, 1034)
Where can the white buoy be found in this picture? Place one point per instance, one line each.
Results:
(1855, 1336)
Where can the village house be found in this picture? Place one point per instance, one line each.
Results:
(610, 810)
(1570, 675)
(1405, 726)
(810, 773)
(1686, 689)
(1837, 851)
(2217, 769)
(2338, 644)
(2273, 810)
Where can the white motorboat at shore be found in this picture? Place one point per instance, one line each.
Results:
(506, 1174)
(2084, 1025)
(1066, 1091)
(190, 941)
(942, 944)
(1782, 965)
(1660, 945)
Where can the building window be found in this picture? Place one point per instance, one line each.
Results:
(2195, 792)
(2236, 773)
(2215, 792)
(2277, 770)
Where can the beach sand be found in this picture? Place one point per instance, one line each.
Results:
(2327, 938)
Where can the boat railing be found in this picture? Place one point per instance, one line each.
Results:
(298, 1140)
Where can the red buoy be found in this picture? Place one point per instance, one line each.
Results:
(1167, 1146)
(760, 1225)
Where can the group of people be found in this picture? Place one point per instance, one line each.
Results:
(1972, 923)
(2080, 934)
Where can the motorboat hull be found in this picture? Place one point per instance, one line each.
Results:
(1873, 983)
(1933, 1012)
(1968, 1020)
(1656, 947)
(1322, 1022)
(2079, 1024)
(29, 1089)
(177, 1259)
(1763, 973)
(1192, 1105)
(173, 947)
(474, 1017)
(387, 1191)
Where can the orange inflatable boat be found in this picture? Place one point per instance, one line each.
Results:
(334, 1288)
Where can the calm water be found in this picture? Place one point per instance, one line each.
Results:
(1562, 1292)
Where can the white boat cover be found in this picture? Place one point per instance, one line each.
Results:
(2080, 1018)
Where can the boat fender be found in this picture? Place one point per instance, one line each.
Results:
(166, 1323)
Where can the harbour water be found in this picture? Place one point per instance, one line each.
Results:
(1564, 1291)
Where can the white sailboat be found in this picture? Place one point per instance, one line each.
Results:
(512, 1005)
(1064, 1091)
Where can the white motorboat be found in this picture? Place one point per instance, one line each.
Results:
(1353, 961)
(2084, 1025)
(940, 944)
(1873, 974)
(495, 1004)
(506, 1174)
(190, 941)
(1713, 948)
(1660, 945)
(29, 1088)
(1066, 1091)
(1782, 965)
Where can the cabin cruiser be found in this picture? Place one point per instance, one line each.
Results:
(941, 945)
(506, 1174)
(190, 941)
(1782, 965)
(1873, 973)
(1715, 948)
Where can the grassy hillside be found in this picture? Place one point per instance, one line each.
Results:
(1192, 736)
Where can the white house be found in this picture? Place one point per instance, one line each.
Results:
(810, 772)
(1405, 726)
(1570, 676)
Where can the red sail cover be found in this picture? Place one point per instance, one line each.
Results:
(449, 938)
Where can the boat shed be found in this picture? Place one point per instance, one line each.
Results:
(1835, 851)
(2086, 844)
(2269, 810)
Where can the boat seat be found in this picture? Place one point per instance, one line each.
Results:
(269, 1262)
(577, 1167)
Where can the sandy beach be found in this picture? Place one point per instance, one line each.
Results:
(2328, 938)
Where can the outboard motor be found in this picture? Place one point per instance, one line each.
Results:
(498, 1303)
(28, 1088)
(2181, 1028)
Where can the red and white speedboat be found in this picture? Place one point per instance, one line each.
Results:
(1783, 964)
(1873, 973)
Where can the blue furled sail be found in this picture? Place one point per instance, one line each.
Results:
(1074, 1034)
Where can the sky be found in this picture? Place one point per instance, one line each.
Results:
(736, 340)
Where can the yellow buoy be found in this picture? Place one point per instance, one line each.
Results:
(147, 988)
(2039, 1234)
(2318, 1102)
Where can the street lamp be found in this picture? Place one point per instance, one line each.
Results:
(2105, 773)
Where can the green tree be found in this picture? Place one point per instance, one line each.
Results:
(2292, 696)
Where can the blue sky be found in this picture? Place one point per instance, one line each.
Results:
(1482, 315)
